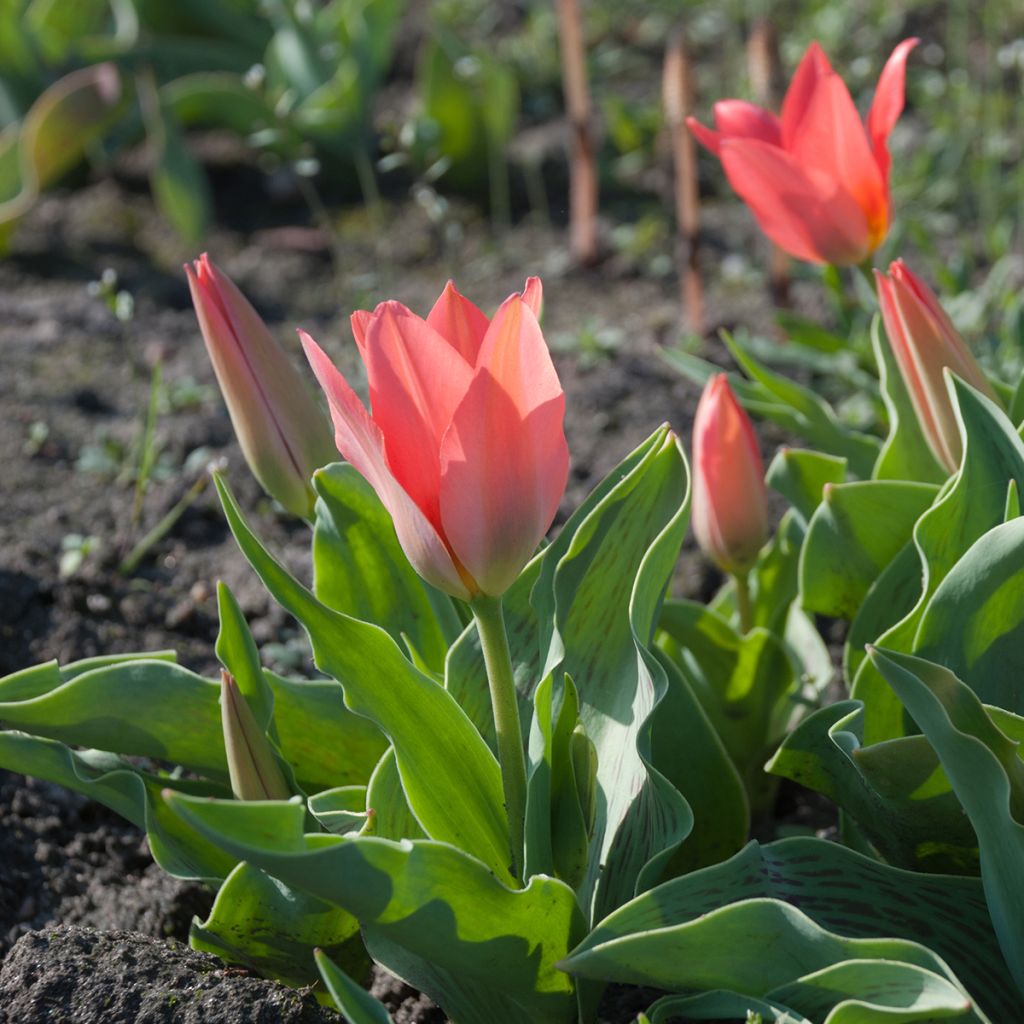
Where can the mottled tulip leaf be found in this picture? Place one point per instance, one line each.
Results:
(360, 569)
(135, 795)
(987, 774)
(970, 505)
(354, 1003)
(719, 1005)
(845, 550)
(443, 909)
(974, 622)
(450, 777)
(800, 476)
(905, 454)
(153, 707)
(896, 791)
(822, 905)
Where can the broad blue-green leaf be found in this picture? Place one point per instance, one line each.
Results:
(135, 795)
(272, 929)
(987, 774)
(360, 568)
(720, 1005)
(905, 454)
(800, 476)
(846, 547)
(429, 899)
(450, 777)
(974, 623)
(896, 791)
(744, 683)
(971, 504)
(597, 596)
(340, 810)
(356, 1005)
(388, 814)
(153, 707)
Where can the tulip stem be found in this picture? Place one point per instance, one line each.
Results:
(867, 271)
(490, 623)
(743, 607)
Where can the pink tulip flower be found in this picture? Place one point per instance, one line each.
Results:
(730, 502)
(282, 433)
(816, 178)
(925, 343)
(465, 445)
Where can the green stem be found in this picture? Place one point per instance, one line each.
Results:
(743, 607)
(866, 270)
(490, 623)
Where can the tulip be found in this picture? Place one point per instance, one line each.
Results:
(465, 446)
(816, 178)
(925, 343)
(283, 435)
(730, 502)
(252, 763)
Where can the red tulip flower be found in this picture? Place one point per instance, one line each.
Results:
(465, 445)
(925, 343)
(816, 178)
(730, 502)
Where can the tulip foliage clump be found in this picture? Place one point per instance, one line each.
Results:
(524, 770)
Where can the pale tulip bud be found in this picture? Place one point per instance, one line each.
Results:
(282, 432)
(925, 343)
(252, 763)
(730, 502)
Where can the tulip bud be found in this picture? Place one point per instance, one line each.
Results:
(730, 502)
(252, 763)
(282, 432)
(925, 342)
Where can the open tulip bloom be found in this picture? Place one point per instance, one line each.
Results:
(816, 177)
(465, 445)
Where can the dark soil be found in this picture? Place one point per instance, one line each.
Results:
(76, 378)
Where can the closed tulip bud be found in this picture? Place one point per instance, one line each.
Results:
(252, 763)
(816, 177)
(730, 502)
(925, 343)
(464, 445)
(282, 433)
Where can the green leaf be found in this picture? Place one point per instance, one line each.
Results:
(845, 551)
(816, 419)
(216, 99)
(987, 774)
(237, 652)
(388, 814)
(450, 777)
(816, 904)
(356, 1005)
(896, 791)
(906, 454)
(429, 899)
(152, 707)
(744, 683)
(721, 1005)
(800, 476)
(974, 623)
(972, 503)
(260, 924)
(136, 796)
(340, 810)
(360, 569)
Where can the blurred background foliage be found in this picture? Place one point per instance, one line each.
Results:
(372, 99)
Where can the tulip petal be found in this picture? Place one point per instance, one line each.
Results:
(707, 137)
(807, 217)
(812, 68)
(361, 443)
(360, 320)
(416, 381)
(887, 105)
(533, 296)
(459, 322)
(504, 460)
(832, 142)
(738, 119)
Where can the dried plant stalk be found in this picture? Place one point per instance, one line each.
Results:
(582, 157)
(678, 100)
